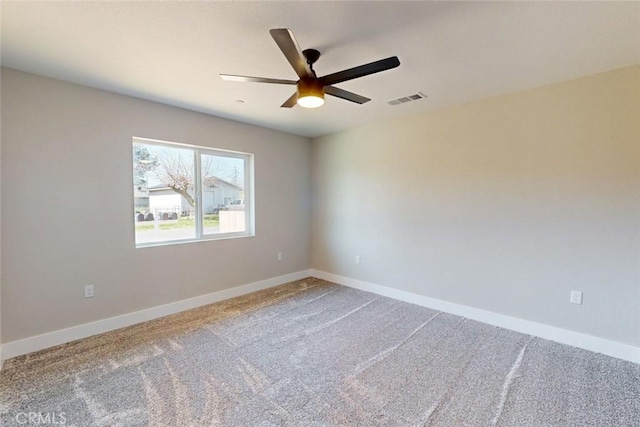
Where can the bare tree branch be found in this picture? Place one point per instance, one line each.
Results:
(175, 170)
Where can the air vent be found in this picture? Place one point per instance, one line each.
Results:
(406, 99)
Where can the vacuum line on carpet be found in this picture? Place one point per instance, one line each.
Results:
(96, 409)
(507, 383)
(326, 324)
(445, 397)
(153, 400)
(379, 357)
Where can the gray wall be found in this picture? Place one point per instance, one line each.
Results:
(67, 203)
(505, 204)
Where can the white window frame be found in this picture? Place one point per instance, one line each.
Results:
(248, 192)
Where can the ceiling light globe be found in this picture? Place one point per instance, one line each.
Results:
(311, 101)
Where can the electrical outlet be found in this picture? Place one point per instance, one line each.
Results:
(576, 297)
(279, 256)
(88, 291)
(357, 259)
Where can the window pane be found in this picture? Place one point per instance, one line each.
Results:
(164, 193)
(223, 194)
(187, 193)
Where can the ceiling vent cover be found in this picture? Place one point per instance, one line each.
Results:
(406, 99)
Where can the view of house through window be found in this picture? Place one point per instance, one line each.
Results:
(184, 193)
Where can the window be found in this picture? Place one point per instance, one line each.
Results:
(184, 193)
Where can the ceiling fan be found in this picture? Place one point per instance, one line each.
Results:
(311, 88)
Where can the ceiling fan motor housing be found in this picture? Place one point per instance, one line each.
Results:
(310, 87)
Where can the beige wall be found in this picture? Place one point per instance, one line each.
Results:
(67, 207)
(505, 204)
(1, 359)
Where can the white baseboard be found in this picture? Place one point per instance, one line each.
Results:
(563, 336)
(50, 339)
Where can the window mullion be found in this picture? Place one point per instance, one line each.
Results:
(198, 193)
(248, 193)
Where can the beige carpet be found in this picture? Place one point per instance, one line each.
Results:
(312, 353)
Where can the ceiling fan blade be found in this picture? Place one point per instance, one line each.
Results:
(361, 71)
(234, 78)
(344, 94)
(291, 101)
(288, 45)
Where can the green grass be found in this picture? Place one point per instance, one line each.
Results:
(183, 222)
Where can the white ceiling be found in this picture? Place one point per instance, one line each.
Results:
(454, 52)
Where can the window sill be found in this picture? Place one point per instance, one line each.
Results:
(186, 241)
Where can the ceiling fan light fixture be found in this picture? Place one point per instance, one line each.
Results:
(310, 93)
(311, 88)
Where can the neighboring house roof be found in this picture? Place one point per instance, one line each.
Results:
(215, 181)
(160, 187)
(209, 182)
